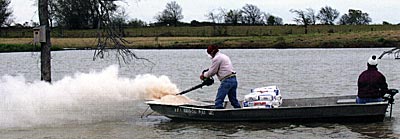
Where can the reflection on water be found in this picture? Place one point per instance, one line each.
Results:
(376, 130)
(259, 130)
(281, 129)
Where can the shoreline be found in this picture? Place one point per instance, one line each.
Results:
(177, 48)
(370, 39)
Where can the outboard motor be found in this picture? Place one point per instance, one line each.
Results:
(389, 96)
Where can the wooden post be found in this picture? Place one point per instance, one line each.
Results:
(45, 57)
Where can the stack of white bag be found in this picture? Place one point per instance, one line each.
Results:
(263, 97)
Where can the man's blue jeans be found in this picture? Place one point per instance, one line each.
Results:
(366, 100)
(228, 87)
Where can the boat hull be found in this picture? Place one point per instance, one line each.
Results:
(314, 109)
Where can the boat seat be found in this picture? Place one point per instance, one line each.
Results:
(346, 101)
(199, 104)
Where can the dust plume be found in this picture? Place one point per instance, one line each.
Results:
(81, 98)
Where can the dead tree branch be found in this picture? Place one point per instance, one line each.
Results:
(109, 37)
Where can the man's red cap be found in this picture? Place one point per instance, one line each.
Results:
(211, 48)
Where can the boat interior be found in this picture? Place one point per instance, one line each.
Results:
(295, 102)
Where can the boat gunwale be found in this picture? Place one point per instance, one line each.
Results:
(189, 106)
(262, 108)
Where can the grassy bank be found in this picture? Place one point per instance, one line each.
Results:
(23, 48)
(203, 31)
(390, 38)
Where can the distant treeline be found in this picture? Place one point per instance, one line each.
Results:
(202, 31)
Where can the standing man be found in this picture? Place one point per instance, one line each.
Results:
(371, 83)
(222, 67)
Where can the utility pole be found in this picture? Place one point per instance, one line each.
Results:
(45, 54)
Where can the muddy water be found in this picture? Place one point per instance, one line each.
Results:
(92, 99)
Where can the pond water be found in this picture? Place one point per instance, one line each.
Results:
(105, 99)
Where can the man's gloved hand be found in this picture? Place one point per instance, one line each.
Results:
(202, 76)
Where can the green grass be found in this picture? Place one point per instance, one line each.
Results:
(319, 36)
(23, 48)
(205, 31)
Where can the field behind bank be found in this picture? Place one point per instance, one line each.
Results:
(203, 31)
(319, 36)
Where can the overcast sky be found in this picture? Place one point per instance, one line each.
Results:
(146, 10)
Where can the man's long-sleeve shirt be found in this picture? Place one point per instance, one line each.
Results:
(221, 66)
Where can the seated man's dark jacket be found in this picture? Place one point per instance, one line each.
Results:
(372, 83)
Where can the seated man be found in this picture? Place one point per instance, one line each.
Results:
(371, 83)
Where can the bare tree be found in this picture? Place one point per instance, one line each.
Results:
(171, 14)
(252, 14)
(215, 17)
(233, 17)
(327, 15)
(303, 18)
(5, 11)
(312, 16)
